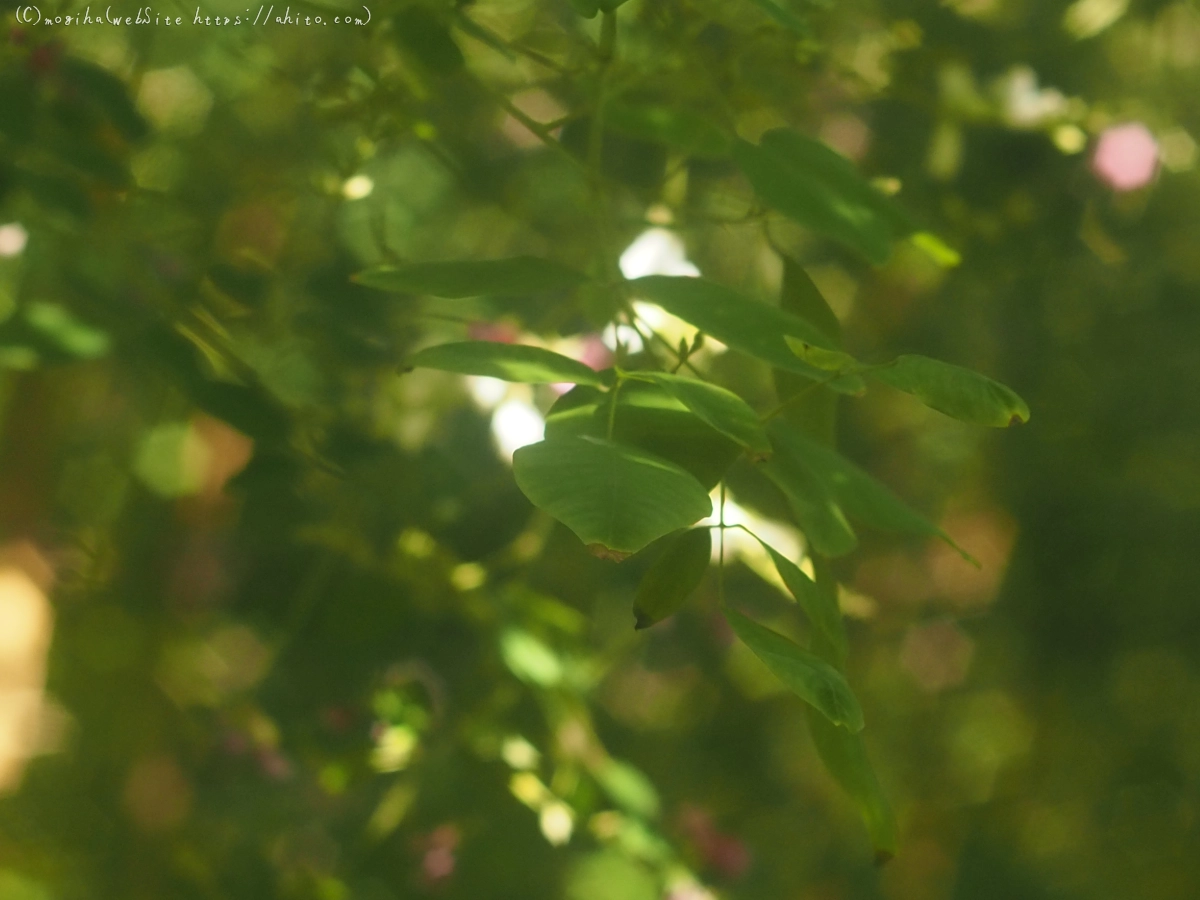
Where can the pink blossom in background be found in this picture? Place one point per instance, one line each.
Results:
(1126, 157)
(497, 332)
(591, 353)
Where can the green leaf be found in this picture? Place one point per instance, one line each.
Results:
(816, 508)
(815, 408)
(677, 128)
(530, 659)
(819, 357)
(673, 576)
(615, 497)
(799, 294)
(628, 788)
(508, 362)
(821, 608)
(723, 410)
(743, 324)
(938, 250)
(649, 418)
(813, 184)
(864, 498)
(955, 391)
(467, 278)
(845, 756)
(67, 333)
(586, 8)
(817, 682)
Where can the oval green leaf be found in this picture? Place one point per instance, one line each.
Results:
(816, 508)
(672, 577)
(811, 183)
(508, 362)
(723, 410)
(473, 278)
(864, 498)
(743, 324)
(819, 357)
(816, 682)
(845, 756)
(821, 608)
(649, 418)
(955, 391)
(611, 495)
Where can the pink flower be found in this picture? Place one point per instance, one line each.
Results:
(1126, 157)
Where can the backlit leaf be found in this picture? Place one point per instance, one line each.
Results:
(955, 391)
(743, 324)
(819, 357)
(649, 418)
(508, 362)
(817, 682)
(611, 495)
(723, 410)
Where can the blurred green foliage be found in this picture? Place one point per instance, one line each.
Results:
(275, 618)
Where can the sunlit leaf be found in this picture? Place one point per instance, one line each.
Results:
(817, 682)
(530, 659)
(508, 362)
(723, 410)
(810, 182)
(955, 391)
(649, 418)
(845, 756)
(65, 331)
(611, 495)
(629, 788)
(473, 278)
(821, 608)
(672, 577)
(938, 250)
(743, 324)
(821, 358)
(609, 875)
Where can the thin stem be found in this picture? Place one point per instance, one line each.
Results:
(721, 554)
(634, 319)
(801, 394)
(612, 405)
(537, 129)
